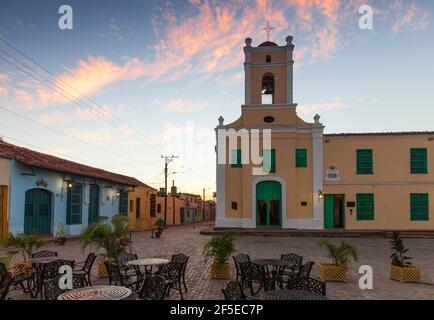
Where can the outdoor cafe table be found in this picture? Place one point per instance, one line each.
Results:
(96, 293)
(147, 263)
(275, 264)
(38, 265)
(291, 295)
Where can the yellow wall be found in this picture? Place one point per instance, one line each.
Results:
(144, 221)
(3, 211)
(239, 181)
(178, 205)
(4, 183)
(391, 182)
(4, 171)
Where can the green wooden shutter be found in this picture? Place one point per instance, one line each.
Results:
(74, 204)
(419, 160)
(271, 154)
(365, 161)
(365, 206)
(123, 202)
(301, 158)
(236, 154)
(419, 206)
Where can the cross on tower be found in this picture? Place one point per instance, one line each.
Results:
(268, 29)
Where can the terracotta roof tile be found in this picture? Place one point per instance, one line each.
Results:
(45, 161)
(402, 133)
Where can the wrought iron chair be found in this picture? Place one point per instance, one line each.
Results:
(19, 281)
(5, 283)
(154, 288)
(116, 277)
(172, 273)
(183, 259)
(52, 289)
(86, 268)
(286, 273)
(238, 259)
(46, 272)
(233, 291)
(44, 254)
(256, 274)
(311, 285)
(122, 260)
(304, 272)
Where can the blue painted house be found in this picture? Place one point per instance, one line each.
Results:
(40, 191)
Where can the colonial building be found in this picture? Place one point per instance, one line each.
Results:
(314, 180)
(40, 191)
(142, 208)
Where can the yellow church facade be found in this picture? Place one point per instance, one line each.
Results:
(314, 180)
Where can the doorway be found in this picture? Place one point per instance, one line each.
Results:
(37, 213)
(268, 204)
(3, 212)
(334, 211)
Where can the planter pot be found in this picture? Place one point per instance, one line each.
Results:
(222, 272)
(102, 271)
(405, 274)
(332, 272)
(158, 234)
(61, 241)
(22, 266)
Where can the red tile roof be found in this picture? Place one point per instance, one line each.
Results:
(402, 133)
(45, 161)
(268, 44)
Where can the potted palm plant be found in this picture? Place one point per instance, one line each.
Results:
(220, 248)
(161, 225)
(340, 256)
(107, 235)
(24, 244)
(60, 235)
(401, 269)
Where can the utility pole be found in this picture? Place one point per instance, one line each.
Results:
(203, 210)
(167, 160)
(173, 197)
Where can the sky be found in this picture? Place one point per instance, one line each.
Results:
(134, 80)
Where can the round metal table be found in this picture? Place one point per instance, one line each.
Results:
(97, 293)
(147, 263)
(291, 295)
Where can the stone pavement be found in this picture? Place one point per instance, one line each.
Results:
(186, 239)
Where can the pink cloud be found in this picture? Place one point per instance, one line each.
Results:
(411, 17)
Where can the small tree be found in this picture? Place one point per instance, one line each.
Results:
(340, 255)
(108, 236)
(399, 258)
(25, 244)
(220, 248)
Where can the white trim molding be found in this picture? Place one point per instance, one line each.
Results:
(303, 224)
(283, 187)
(221, 184)
(317, 147)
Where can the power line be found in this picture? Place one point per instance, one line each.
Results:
(62, 133)
(62, 92)
(115, 123)
(60, 153)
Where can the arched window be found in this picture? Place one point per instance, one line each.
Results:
(267, 88)
(268, 58)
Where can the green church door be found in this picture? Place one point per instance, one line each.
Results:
(329, 211)
(334, 211)
(268, 204)
(37, 212)
(93, 203)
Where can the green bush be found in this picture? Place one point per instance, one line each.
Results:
(220, 247)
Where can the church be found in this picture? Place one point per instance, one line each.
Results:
(315, 181)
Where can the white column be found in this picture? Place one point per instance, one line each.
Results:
(247, 76)
(318, 204)
(289, 70)
(221, 183)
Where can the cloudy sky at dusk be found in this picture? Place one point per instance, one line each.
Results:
(157, 75)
